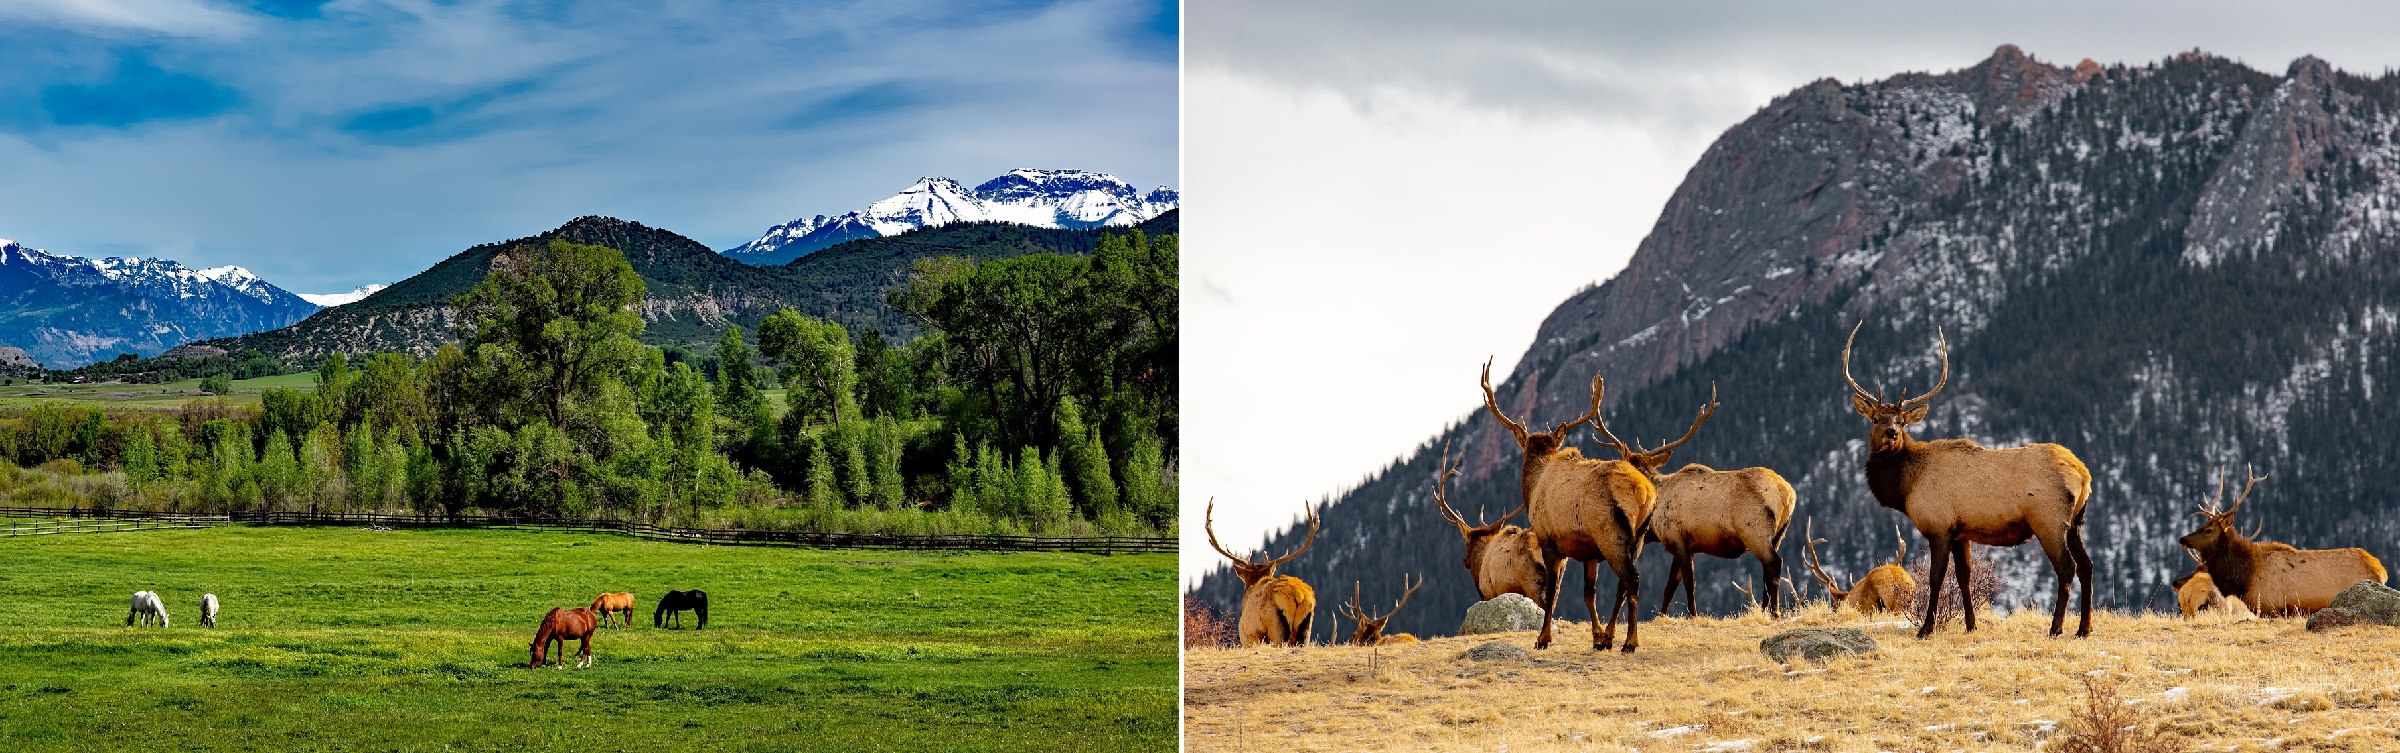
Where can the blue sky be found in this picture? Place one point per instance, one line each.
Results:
(326, 145)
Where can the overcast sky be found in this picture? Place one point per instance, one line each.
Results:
(1384, 193)
(326, 145)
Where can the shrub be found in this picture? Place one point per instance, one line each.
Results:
(2106, 724)
(1204, 627)
(1986, 585)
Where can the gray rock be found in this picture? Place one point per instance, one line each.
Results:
(1814, 644)
(2363, 603)
(1506, 613)
(1496, 650)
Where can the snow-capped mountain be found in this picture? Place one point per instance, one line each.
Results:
(1041, 198)
(330, 300)
(67, 311)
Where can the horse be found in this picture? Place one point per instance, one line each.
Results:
(147, 608)
(611, 606)
(675, 602)
(562, 625)
(208, 610)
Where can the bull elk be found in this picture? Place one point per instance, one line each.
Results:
(1959, 493)
(1887, 587)
(2273, 578)
(1370, 626)
(1702, 510)
(2195, 592)
(1582, 509)
(1502, 558)
(1277, 610)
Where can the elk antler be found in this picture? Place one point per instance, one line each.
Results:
(1816, 566)
(1900, 556)
(1493, 403)
(1208, 523)
(1938, 385)
(1854, 388)
(1441, 498)
(1312, 538)
(1737, 585)
(1355, 610)
(1350, 608)
(2209, 508)
(2237, 501)
(1593, 415)
(1705, 411)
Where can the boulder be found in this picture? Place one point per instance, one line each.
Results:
(1814, 644)
(1506, 613)
(1496, 650)
(2363, 603)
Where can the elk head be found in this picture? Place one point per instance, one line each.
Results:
(1891, 419)
(1535, 443)
(1474, 534)
(1650, 460)
(1251, 569)
(1816, 565)
(2217, 531)
(1370, 626)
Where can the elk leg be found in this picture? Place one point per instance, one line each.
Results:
(1773, 565)
(1558, 569)
(1691, 583)
(1591, 603)
(2062, 563)
(1307, 629)
(1966, 583)
(1940, 565)
(1629, 590)
(2083, 571)
(1666, 598)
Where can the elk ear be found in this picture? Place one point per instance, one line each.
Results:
(1914, 415)
(1864, 406)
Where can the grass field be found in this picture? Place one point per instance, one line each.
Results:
(1703, 685)
(345, 639)
(144, 396)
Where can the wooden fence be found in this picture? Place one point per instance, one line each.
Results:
(84, 520)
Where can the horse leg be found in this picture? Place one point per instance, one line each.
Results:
(586, 653)
(1940, 564)
(2083, 571)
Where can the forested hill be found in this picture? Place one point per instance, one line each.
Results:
(693, 292)
(2172, 269)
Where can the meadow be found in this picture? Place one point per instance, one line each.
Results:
(1702, 684)
(348, 639)
(163, 396)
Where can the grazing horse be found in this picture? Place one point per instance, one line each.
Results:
(208, 610)
(675, 602)
(611, 606)
(560, 626)
(147, 608)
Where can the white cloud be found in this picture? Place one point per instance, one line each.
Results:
(189, 18)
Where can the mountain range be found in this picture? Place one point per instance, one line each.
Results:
(2173, 269)
(66, 311)
(1066, 199)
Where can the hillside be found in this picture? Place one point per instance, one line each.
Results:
(693, 292)
(1055, 199)
(2172, 269)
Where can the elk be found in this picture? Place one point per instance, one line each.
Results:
(1502, 558)
(1277, 610)
(1887, 588)
(1582, 509)
(1702, 510)
(2195, 592)
(1370, 627)
(2272, 578)
(1959, 493)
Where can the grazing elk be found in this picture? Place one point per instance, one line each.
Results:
(1887, 588)
(1959, 493)
(1277, 610)
(2273, 578)
(1503, 559)
(1370, 627)
(1702, 510)
(2195, 592)
(1582, 509)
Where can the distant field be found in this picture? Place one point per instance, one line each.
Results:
(1703, 685)
(145, 396)
(346, 639)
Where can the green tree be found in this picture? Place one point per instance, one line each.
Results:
(814, 359)
(821, 494)
(1086, 459)
(556, 318)
(139, 459)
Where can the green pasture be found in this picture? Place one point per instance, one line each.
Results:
(346, 639)
(144, 396)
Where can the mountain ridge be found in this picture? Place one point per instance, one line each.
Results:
(1062, 199)
(66, 311)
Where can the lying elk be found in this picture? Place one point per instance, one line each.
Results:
(1959, 493)
(1276, 609)
(2273, 578)
(2195, 592)
(1887, 588)
(1370, 628)
(1582, 509)
(1503, 559)
(1702, 510)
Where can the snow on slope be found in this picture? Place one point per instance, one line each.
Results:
(330, 300)
(1042, 198)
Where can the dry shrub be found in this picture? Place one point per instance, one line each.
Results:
(2106, 725)
(1204, 627)
(1987, 585)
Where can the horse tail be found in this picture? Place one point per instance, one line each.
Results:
(700, 605)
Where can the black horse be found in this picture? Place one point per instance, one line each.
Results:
(675, 602)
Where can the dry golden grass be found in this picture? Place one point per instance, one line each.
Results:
(1703, 685)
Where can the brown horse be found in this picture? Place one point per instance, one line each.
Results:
(614, 606)
(560, 626)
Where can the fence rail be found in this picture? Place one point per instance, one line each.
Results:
(89, 520)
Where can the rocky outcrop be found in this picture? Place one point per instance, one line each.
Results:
(1506, 613)
(2363, 603)
(1817, 644)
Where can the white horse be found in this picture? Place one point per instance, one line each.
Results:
(208, 610)
(147, 608)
